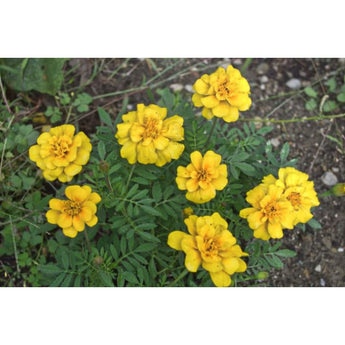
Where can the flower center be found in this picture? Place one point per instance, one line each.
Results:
(223, 89)
(72, 207)
(151, 128)
(271, 210)
(295, 199)
(60, 146)
(211, 248)
(203, 175)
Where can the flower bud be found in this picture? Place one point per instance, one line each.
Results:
(188, 211)
(98, 261)
(104, 166)
(262, 275)
(339, 189)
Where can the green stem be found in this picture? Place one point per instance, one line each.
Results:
(130, 176)
(182, 274)
(87, 241)
(107, 181)
(211, 131)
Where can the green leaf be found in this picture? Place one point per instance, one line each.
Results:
(145, 247)
(58, 280)
(341, 97)
(130, 277)
(314, 224)
(274, 261)
(50, 269)
(151, 211)
(332, 84)
(148, 237)
(284, 152)
(106, 278)
(285, 253)
(246, 168)
(329, 106)
(311, 104)
(105, 117)
(101, 150)
(310, 92)
(43, 75)
(157, 191)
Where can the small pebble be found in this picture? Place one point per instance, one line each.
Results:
(294, 84)
(263, 79)
(318, 268)
(322, 282)
(262, 87)
(340, 250)
(335, 169)
(262, 68)
(329, 179)
(176, 87)
(189, 88)
(129, 106)
(237, 62)
(275, 142)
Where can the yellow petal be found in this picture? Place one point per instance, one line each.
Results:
(230, 265)
(43, 138)
(34, 153)
(95, 198)
(222, 109)
(192, 261)
(212, 266)
(123, 130)
(192, 185)
(181, 183)
(82, 157)
(262, 233)
(220, 182)
(78, 223)
(196, 159)
(275, 230)
(173, 128)
(220, 279)
(64, 178)
(161, 143)
(70, 232)
(255, 219)
(86, 214)
(52, 216)
(64, 220)
(200, 86)
(232, 115)
(68, 130)
(93, 221)
(196, 99)
(210, 101)
(48, 176)
(191, 224)
(90, 205)
(72, 169)
(207, 113)
(146, 154)
(129, 151)
(57, 204)
(76, 193)
(175, 238)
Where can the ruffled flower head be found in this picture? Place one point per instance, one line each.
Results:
(148, 137)
(211, 245)
(222, 94)
(61, 154)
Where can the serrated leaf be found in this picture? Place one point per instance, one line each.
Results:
(341, 97)
(157, 191)
(58, 280)
(101, 150)
(285, 253)
(130, 277)
(50, 269)
(151, 210)
(311, 104)
(246, 168)
(284, 152)
(106, 278)
(123, 245)
(274, 261)
(148, 237)
(145, 247)
(105, 117)
(310, 92)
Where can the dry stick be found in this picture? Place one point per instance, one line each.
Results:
(4, 97)
(319, 148)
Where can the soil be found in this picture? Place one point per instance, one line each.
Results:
(320, 259)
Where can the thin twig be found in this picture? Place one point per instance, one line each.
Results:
(4, 97)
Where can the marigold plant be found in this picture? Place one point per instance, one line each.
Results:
(202, 177)
(72, 214)
(61, 154)
(210, 244)
(148, 137)
(222, 94)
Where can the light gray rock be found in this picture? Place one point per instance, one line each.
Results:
(294, 84)
(318, 268)
(176, 87)
(264, 79)
(189, 88)
(275, 142)
(262, 68)
(329, 179)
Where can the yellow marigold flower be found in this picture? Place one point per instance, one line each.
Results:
(210, 244)
(148, 137)
(202, 177)
(222, 94)
(297, 190)
(271, 211)
(60, 154)
(72, 215)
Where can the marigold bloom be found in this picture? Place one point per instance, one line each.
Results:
(148, 137)
(72, 215)
(271, 212)
(202, 177)
(222, 94)
(297, 190)
(61, 154)
(210, 244)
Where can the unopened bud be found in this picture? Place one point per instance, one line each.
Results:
(98, 260)
(339, 189)
(188, 211)
(104, 166)
(262, 275)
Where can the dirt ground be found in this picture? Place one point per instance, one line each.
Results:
(320, 259)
